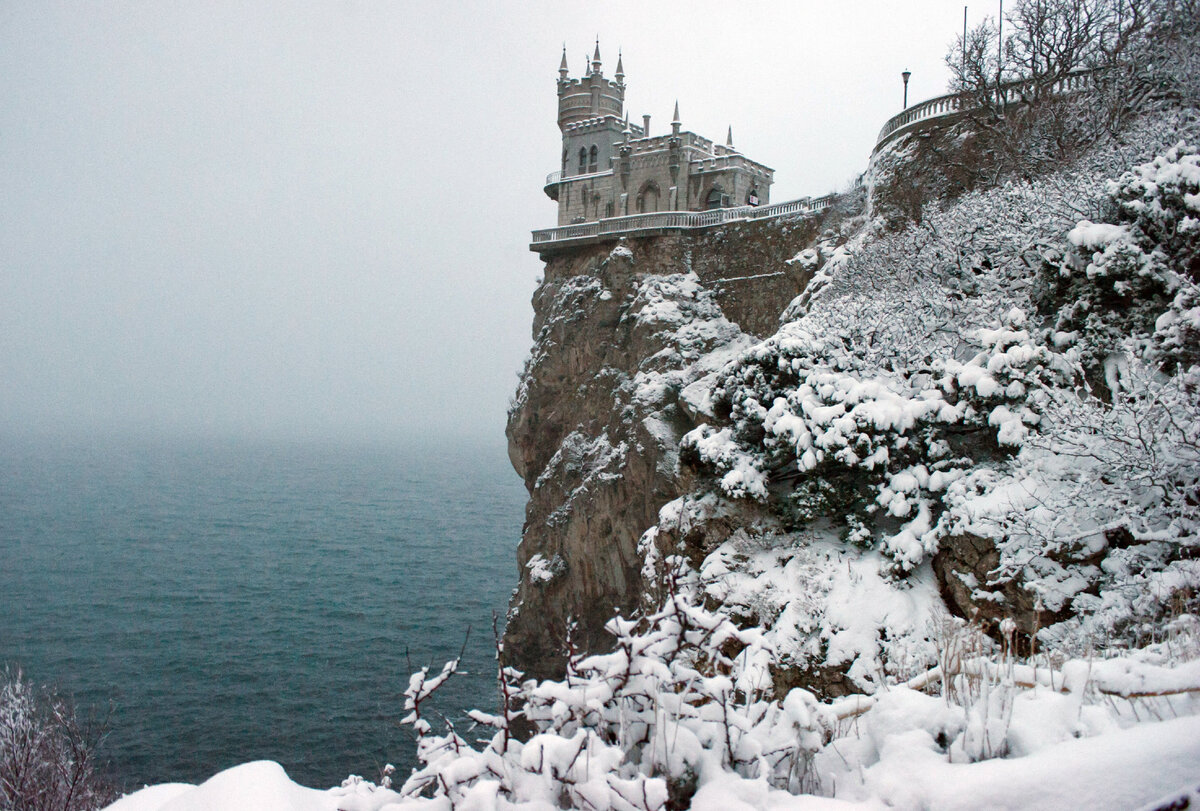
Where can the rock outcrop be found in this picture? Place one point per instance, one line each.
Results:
(619, 334)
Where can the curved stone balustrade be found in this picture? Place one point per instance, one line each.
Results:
(554, 178)
(936, 107)
(952, 104)
(659, 222)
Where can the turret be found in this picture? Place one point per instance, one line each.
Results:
(592, 96)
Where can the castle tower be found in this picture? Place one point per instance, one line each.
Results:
(593, 96)
(612, 168)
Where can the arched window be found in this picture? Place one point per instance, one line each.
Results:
(714, 199)
(594, 155)
(582, 160)
(647, 199)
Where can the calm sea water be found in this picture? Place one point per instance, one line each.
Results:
(242, 601)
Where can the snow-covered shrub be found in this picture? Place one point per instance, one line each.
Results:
(819, 433)
(1008, 382)
(1161, 200)
(682, 697)
(48, 754)
(1098, 514)
(1136, 277)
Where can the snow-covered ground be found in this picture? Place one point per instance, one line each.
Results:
(1123, 769)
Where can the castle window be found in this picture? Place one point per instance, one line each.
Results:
(647, 199)
(608, 210)
(713, 200)
(592, 163)
(582, 160)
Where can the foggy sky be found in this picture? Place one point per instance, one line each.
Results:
(312, 218)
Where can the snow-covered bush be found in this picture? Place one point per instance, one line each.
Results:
(675, 717)
(48, 754)
(682, 697)
(1136, 277)
(821, 434)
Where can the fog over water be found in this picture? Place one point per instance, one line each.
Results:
(311, 219)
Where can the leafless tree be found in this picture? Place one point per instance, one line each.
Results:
(1045, 42)
(48, 753)
(1065, 74)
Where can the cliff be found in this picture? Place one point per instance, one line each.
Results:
(620, 332)
(856, 428)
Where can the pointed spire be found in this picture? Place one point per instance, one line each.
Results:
(729, 137)
(620, 67)
(563, 70)
(596, 56)
(675, 120)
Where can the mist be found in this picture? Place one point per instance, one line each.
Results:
(312, 220)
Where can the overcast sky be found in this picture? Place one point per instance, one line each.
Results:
(312, 218)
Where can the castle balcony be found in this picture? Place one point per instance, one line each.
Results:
(566, 237)
(554, 180)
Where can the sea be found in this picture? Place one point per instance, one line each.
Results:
(229, 601)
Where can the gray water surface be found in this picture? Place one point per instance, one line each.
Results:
(242, 600)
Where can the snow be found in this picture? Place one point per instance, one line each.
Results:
(1096, 235)
(1116, 771)
(543, 570)
(262, 785)
(1128, 678)
(1120, 769)
(151, 798)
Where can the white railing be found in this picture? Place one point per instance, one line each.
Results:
(554, 178)
(954, 103)
(678, 220)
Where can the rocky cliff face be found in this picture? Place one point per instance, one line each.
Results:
(937, 426)
(620, 333)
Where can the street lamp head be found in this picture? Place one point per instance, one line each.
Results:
(906, 74)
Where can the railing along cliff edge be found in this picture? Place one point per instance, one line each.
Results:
(952, 104)
(655, 222)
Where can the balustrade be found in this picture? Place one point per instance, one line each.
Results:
(953, 103)
(663, 220)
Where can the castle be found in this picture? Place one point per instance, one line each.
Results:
(612, 168)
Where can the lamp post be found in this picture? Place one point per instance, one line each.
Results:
(905, 76)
